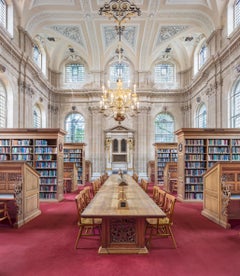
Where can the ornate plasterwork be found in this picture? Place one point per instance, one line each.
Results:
(110, 35)
(168, 32)
(72, 32)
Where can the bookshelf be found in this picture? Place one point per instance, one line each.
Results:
(198, 151)
(170, 177)
(43, 150)
(164, 152)
(70, 176)
(19, 186)
(219, 206)
(151, 171)
(75, 152)
(88, 170)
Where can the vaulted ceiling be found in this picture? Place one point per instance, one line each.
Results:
(168, 29)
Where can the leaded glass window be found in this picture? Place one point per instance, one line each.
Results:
(164, 128)
(3, 107)
(202, 55)
(75, 127)
(201, 117)
(37, 56)
(164, 73)
(37, 120)
(119, 70)
(235, 107)
(74, 72)
(237, 13)
(3, 13)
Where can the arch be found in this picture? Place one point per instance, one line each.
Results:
(39, 55)
(164, 127)
(200, 55)
(74, 124)
(6, 15)
(74, 70)
(3, 106)
(201, 116)
(235, 105)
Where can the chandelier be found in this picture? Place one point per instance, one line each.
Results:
(119, 101)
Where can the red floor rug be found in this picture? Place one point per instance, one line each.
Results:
(45, 247)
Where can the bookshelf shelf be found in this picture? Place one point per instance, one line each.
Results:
(201, 149)
(75, 152)
(40, 148)
(164, 153)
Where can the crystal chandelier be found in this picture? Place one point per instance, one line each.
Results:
(119, 101)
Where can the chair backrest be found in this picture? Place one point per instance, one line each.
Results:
(96, 184)
(161, 198)
(155, 193)
(80, 204)
(135, 177)
(169, 205)
(144, 184)
(87, 194)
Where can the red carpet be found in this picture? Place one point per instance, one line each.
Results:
(45, 246)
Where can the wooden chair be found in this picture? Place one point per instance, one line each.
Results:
(96, 184)
(155, 193)
(135, 177)
(161, 227)
(4, 212)
(144, 185)
(87, 194)
(87, 226)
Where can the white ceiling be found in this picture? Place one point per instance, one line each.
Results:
(176, 25)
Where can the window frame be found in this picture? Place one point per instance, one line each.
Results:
(164, 137)
(157, 76)
(201, 116)
(3, 106)
(71, 137)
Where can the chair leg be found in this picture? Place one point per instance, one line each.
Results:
(78, 236)
(172, 236)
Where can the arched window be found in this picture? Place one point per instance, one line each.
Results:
(123, 145)
(236, 13)
(115, 145)
(74, 72)
(6, 16)
(37, 56)
(121, 70)
(37, 117)
(202, 56)
(75, 127)
(3, 13)
(164, 73)
(235, 106)
(3, 107)
(201, 116)
(164, 128)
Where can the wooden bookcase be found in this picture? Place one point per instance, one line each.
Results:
(217, 206)
(70, 177)
(75, 152)
(88, 171)
(164, 153)
(151, 171)
(43, 150)
(199, 150)
(170, 177)
(19, 186)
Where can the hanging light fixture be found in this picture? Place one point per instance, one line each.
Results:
(119, 101)
(120, 11)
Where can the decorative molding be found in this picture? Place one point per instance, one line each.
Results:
(168, 32)
(72, 32)
(2, 69)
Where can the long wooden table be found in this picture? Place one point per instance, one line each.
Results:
(123, 228)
